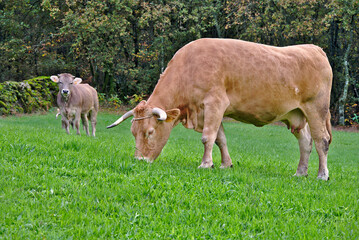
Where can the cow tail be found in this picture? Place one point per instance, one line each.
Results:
(329, 128)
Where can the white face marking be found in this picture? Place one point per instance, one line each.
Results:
(296, 91)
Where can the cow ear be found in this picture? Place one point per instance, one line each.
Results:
(172, 114)
(142, 103)
(54, 79)
(77, 80)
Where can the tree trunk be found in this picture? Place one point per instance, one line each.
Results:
(216, 22)
(343, 97)
(162, 56)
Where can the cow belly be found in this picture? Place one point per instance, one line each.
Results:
(294, 119)
(254, 114)
(251, 118)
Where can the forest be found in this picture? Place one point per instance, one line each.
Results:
(122, 46)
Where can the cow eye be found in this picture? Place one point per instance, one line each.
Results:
(150, 131)
(71, 83)
(60, 82)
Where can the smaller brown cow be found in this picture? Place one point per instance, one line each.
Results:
(76, 101)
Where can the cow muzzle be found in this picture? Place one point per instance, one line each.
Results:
(65, 92)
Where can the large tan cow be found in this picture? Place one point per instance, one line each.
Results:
(76, 101)
(252, 83)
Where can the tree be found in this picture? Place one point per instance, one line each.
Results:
(122, 46)
(343, 20)
(277, 23)
(24, 36)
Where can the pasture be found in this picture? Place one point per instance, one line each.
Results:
(59, 186)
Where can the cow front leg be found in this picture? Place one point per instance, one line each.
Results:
(214, 108)
(221, 142)
(305, 142)
(208, 138)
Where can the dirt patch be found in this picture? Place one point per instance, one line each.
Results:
(354, 128)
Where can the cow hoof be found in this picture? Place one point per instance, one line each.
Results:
(206, 166)
(323, 174)
(301, 174)
(226, 166)
(325, 178)
(144, 159)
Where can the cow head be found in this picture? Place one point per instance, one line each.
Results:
(151, 128)
(65, 82)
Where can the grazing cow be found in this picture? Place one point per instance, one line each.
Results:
(76, 101)
(252, 83)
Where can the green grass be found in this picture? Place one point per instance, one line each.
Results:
(59, 186)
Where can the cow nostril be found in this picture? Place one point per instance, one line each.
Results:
(65, 91)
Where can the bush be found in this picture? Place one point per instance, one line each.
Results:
(110, 102)
(351, 114)
(28, 96)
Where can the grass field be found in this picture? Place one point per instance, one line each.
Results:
(59, 186)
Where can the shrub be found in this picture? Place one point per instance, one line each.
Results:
(28, 96)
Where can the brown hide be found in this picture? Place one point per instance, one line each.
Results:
(253, 83)
(261, 83)
(81, 102)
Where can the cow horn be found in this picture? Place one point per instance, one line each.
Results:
(159, 112)
(121, 119)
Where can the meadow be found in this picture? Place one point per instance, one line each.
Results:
(59, 186)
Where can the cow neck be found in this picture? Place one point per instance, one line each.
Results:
(162, 98)
(166, 93)
(66, 100)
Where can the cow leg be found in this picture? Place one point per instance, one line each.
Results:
(213, 113)
(63, 124)
(66, 125)
(77, 123)
(305, 147)
(93, 115)
(321, 133)
(221, 142)
(85, 123)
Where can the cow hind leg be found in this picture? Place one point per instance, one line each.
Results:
(77, 123)
(321, 133)
(85, 123)
(93, 117)
(296, 122)
(305, 142)
(214, 108)
(221, 142)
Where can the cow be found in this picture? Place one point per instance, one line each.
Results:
(76, 101)
(259, 84)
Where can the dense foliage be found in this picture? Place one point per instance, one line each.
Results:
(121, 46)
(28, 96)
